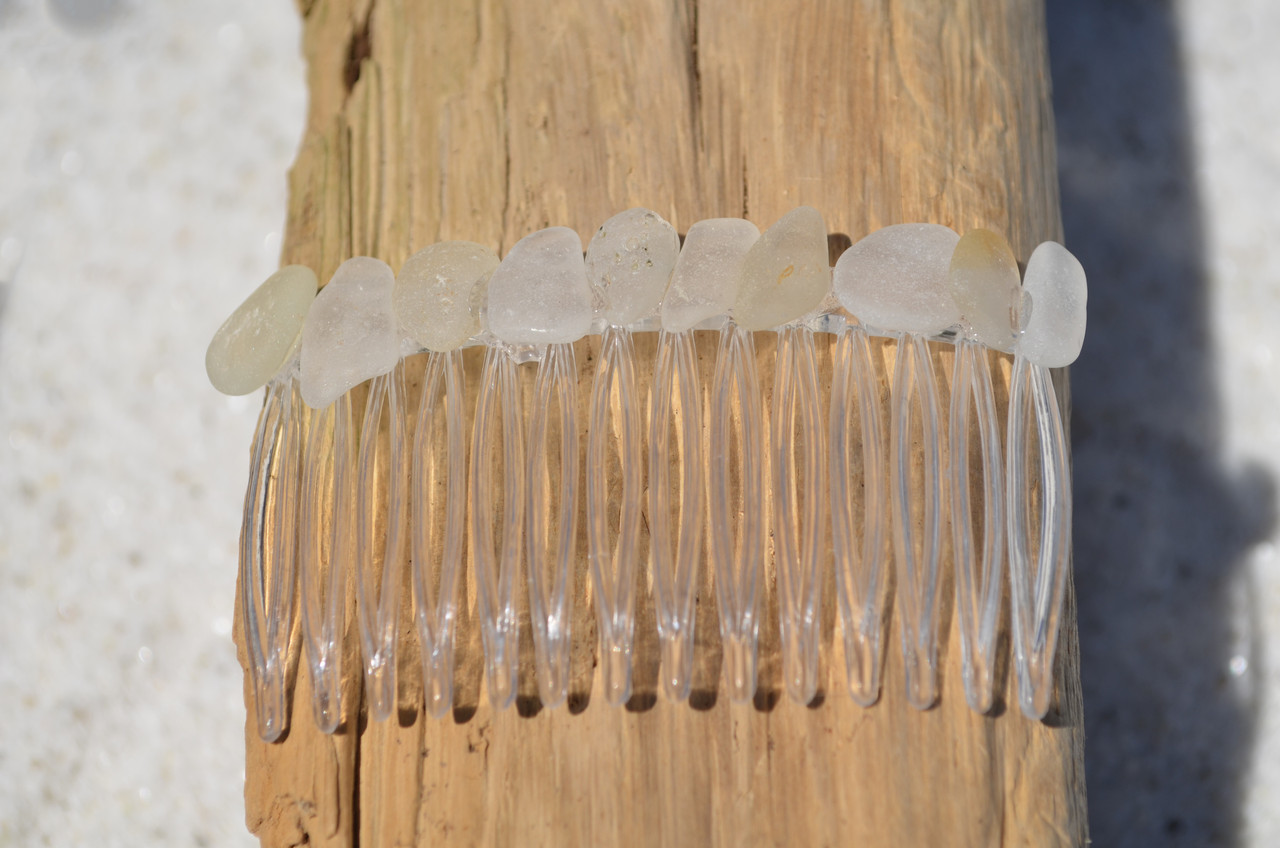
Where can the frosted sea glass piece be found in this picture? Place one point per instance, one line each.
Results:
(705, 281)
(786, 272)
(985, 285)
(350, 333)
(539, 293)
(1055, 283)
(629, 263)
(897, 279)
(251, 346)
(439, 291)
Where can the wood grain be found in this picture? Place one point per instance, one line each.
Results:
(488, 119)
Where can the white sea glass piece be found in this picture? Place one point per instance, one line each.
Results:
(439, 291)
(629, 262)
(786, 272)
(1055, 284)
(708, 271)
(539, 293)
(350, 333)
(251, 346)
(897, 279)
(984, 283)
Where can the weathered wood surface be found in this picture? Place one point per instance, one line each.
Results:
(488, 119)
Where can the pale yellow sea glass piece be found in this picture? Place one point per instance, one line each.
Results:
(985, 285)
(255, 342)
(786, 273)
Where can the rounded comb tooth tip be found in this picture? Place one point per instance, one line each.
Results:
(985, 285)
(539, 293)
(251, 346)
(1055, 283)
(708, 271)
(897, 279)
(629, 263)
(786, 273)
(350, 333)
(438, 292)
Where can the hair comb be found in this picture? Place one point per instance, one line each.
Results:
(669, 471)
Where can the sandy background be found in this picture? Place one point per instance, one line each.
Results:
(143, 148)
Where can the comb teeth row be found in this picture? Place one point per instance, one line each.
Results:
(501, 477)
(412, 479)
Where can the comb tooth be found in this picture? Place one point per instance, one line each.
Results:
(380, 495)
(551, 570)
(268, 549)
(798, 531)
(979, 575)
(438, 562)
(735, 398)
(613, 560)
(325, 530)
(675, 572)
(1038, 579)
(498, 412)
(916, 516)
(861, 562)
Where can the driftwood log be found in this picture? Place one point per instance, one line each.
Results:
(487, 119)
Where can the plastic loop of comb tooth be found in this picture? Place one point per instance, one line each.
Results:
(736, 508)
(798, 528)
(978, 572)
(498, 417)
(438, 527)
(1037, 572)
(551, 568)
(916, 499)
(267, 546)
(613, 560)
(327, 512)
(861, 562)
(380, 512)
(675, 573)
